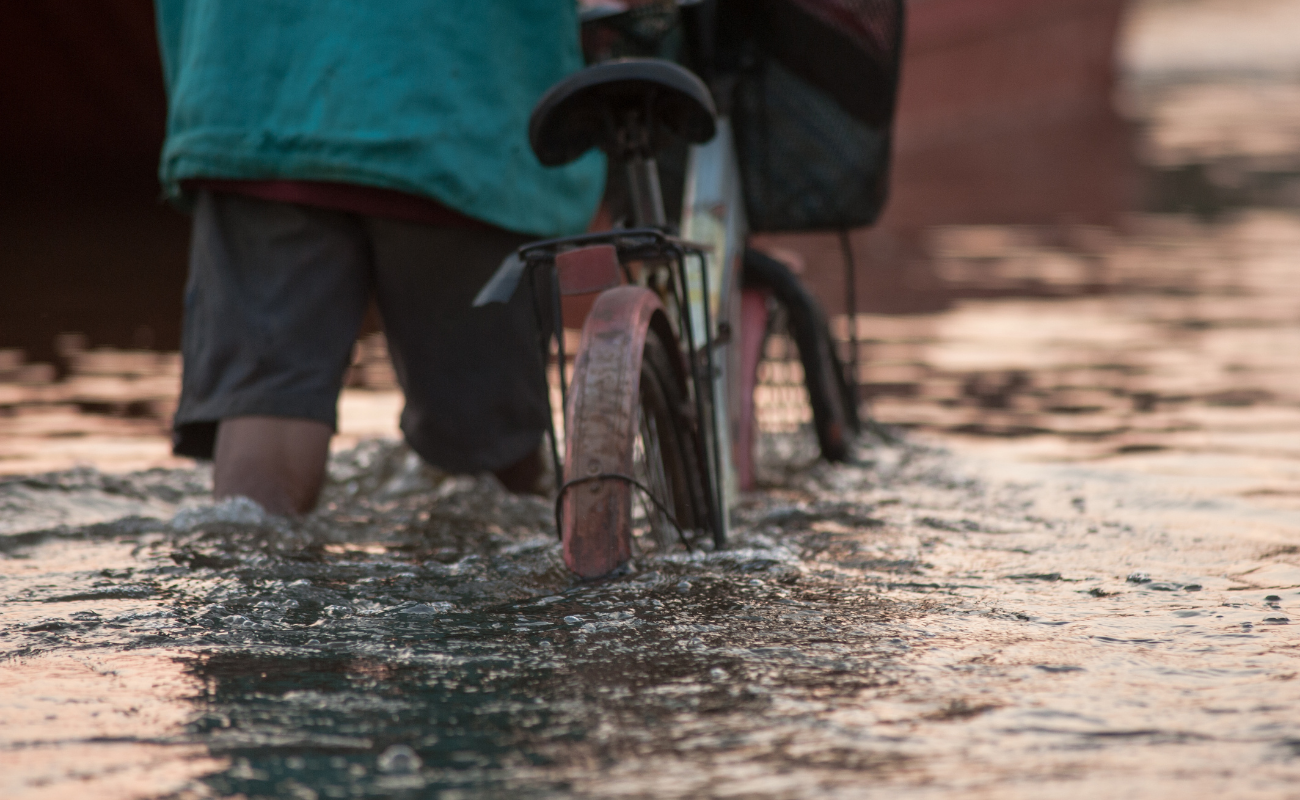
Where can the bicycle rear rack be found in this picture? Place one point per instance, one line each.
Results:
(667, 258)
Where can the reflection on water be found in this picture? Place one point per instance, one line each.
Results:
(897, 624)
(92, 720)
(1193, 319)
(1093, 596)
(515, 697)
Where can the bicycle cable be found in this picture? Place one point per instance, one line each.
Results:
(559, 502)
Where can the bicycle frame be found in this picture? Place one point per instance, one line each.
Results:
(702, 294)
(713, 212)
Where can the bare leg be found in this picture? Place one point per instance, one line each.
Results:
(277, 461)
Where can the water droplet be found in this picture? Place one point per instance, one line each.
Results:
(399, 759)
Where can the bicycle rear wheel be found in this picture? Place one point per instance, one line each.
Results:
(629, 432)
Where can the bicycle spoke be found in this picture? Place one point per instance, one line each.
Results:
(648, 467)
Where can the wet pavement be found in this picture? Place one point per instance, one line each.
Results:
(920, 624)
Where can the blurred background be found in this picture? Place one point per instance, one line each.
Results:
(1090, 250)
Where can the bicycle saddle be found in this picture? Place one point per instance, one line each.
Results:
(625, 107)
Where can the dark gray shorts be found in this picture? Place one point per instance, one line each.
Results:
(276, 295)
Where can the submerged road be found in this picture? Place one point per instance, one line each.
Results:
(1105, 607)
(926, 623)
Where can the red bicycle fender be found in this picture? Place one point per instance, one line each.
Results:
(599, 430)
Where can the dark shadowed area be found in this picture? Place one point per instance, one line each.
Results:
(88, 245)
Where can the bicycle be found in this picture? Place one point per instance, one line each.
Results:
(673, 325)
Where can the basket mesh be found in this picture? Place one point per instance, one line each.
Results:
(805, 164)
(813, 107)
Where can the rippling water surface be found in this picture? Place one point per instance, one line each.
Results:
(919, 624)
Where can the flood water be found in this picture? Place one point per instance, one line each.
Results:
(1070, 571)
(1078, 583)
(924, 623)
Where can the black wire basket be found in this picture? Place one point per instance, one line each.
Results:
(812, 105)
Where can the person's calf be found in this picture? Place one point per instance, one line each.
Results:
(278, 462)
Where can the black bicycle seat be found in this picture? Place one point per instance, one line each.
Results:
(587, 109)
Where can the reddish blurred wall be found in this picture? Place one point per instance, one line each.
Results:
(84, 243)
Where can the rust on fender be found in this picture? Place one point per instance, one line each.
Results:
(600, 429)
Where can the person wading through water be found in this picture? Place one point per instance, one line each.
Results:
(331, 152)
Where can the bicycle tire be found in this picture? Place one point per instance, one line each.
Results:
(834, 407)
(629, 417)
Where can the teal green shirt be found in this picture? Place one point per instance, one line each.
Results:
(430, 97)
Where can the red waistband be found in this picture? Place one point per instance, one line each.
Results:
(352, 198)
